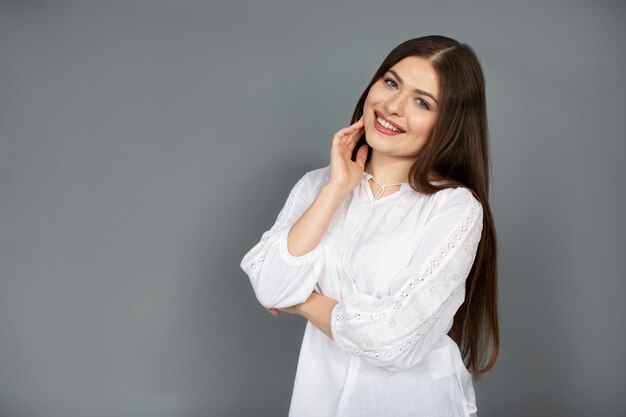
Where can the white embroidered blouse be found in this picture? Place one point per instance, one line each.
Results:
(397, 265)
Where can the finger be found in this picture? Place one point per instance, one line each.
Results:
(355, 124)
(350, 129)
(354, 139)
(356, 128)
(349, 136)
(341, 142)
(361, 156)
(346, 138)
(356, 134)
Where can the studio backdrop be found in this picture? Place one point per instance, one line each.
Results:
(145, 146)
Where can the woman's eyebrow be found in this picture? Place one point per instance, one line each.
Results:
(417, 90)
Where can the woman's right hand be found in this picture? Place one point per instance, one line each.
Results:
(344, 172)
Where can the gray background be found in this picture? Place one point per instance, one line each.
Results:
(145, 145)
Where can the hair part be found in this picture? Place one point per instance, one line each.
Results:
(457, 151)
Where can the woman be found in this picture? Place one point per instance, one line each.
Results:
(390, 251)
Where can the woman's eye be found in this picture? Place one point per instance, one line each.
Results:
(422, 103)
(390, 83)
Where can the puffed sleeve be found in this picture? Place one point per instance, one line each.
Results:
(280, 279)
(397, 330)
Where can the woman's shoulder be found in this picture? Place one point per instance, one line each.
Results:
(456, 193)
(458, 201)
(451, 198)
(311, 182)
(319, 173)
(315, 178)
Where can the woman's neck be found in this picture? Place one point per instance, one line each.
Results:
(388, 170)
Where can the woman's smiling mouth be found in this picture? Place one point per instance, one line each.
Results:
(385, 126)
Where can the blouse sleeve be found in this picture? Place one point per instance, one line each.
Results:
(280, 279)
(397, 330)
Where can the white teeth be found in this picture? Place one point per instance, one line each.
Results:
(387, 125)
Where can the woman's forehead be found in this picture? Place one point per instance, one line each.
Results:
(417, 73)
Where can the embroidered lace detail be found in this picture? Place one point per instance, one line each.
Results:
(451, 271)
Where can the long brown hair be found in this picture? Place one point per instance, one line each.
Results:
(458, 152)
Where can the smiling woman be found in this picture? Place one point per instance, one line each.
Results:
(402, 105)
(389, 252)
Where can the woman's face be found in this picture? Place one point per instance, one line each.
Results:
(401, 108)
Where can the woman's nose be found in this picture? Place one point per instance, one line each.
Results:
(395, 105)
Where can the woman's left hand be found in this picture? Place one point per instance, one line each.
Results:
(272, 311)
(290, 310)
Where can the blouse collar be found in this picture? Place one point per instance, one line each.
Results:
(403, 185)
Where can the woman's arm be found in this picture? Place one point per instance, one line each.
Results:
(285, 265)
(309, 230)
(278, 278)
(396, 331)
(306, 234)
(317, 309)
(345, 174)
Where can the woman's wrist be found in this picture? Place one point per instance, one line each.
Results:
(336, 191)
(308, 308)
(303, 308)
(318, 309)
